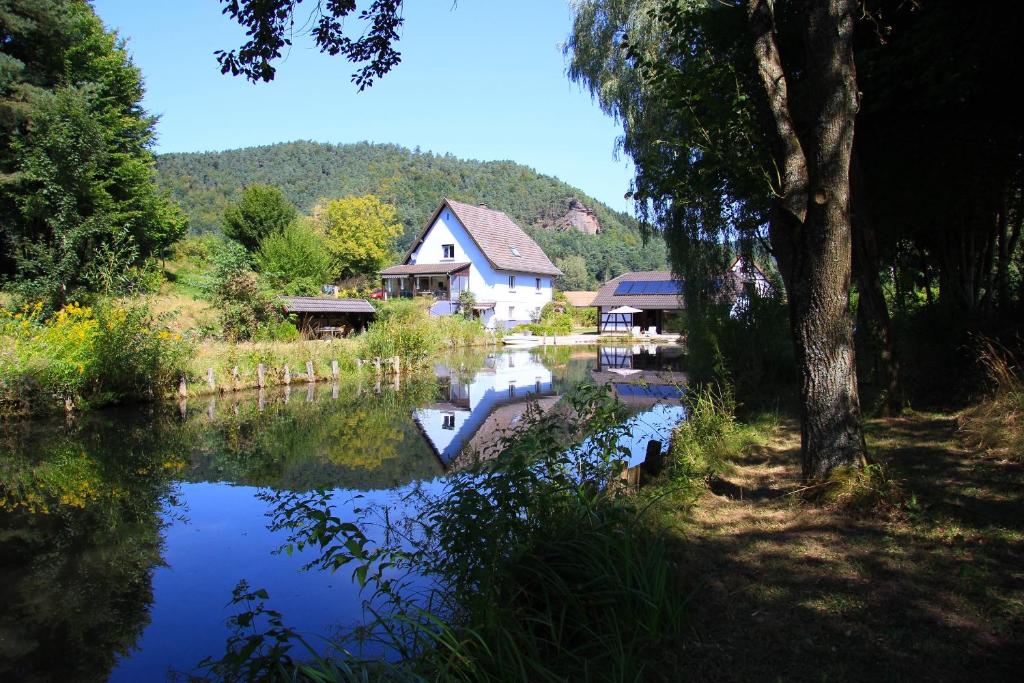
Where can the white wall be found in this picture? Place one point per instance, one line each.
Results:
(486, 283)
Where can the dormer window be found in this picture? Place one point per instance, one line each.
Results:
(447, 251)
(515, 252)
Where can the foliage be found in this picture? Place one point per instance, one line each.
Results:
(871, 490)
(359, 233)
(95, 355)
(565, 579)
(575, 275)
(704, 443)
(719, 347)
(404, 329)
(552, 319)
(79, 201)
(996, 423)
(467, 303)
(271, 25)
(244, 306)
(414, 184)
(294, 259)
(260, 212)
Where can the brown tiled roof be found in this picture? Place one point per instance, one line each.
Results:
(497, 235)
(580, 299)
(315, 304)
(606, 295)
(424, 269)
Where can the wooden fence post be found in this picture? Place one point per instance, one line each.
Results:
(396, 363)
(654, 460)
(261, 380)
(334, 371)
(210, 379)
(182, 387)
(287, 375)
(310, 374)
(376, 366)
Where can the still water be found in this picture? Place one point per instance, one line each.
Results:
(123, 533)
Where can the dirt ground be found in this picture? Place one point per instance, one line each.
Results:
(792, 591)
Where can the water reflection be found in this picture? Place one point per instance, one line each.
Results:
(473, 409)
(122, 535)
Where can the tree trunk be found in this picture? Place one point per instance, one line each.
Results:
(811, 226)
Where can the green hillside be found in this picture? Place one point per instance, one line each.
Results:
(204, 183)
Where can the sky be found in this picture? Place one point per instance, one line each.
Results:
(480, 79)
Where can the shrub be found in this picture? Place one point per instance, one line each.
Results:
(100, 354)
(296, 253)
(703, 444)
(996, 423)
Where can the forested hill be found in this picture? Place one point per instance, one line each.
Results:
(204, 183)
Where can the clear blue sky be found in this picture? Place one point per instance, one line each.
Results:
(483, 79)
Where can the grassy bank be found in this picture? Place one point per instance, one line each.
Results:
(116, 351)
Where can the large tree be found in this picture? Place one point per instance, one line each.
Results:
(359, 233)
(740, 119)
(261, 211)
(78, 199)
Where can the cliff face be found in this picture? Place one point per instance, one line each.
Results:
(579, 217)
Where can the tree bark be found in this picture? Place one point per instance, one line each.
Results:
(811, 226)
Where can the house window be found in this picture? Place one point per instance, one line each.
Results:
(511, 283)
(537, 280)
(511, 312)
(512, 389)
(447, 251)
(449, 421)
(422, 283)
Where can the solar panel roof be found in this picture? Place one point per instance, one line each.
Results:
(663, 287)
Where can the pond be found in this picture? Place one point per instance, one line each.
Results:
(123, 532)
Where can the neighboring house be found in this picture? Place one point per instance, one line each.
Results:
(638, 300)
(473, 248)
(653, 295)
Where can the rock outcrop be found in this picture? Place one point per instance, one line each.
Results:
(579, 217)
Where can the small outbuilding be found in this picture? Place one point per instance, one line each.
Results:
(642, 299)
(328, 316)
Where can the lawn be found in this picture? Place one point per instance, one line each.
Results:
(789, 590)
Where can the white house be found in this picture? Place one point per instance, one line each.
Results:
(474, 248)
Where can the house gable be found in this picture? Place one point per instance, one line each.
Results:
(499, 240)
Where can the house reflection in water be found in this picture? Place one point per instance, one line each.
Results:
(471, 414)
(642, 375)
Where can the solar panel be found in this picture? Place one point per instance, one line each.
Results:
(639, 287)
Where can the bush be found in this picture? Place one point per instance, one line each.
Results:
(704, 443)
(95, 355)
(996, 423)
(296, 254)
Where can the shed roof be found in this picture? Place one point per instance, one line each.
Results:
(606, 296)
(504, 243)
(315, 304)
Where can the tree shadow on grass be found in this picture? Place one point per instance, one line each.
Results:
(790, 592)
